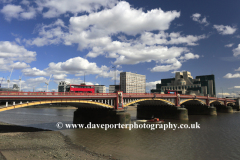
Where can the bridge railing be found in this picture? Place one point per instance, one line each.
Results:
(4, 93)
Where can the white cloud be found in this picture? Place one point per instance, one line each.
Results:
(237, 69)
(229, 75)
(59, 77)
(196, 17)
(225, 30)
(123, 18)
(19, 65)
(236, 86)
(6, 1)
(149, 38)
(52, 8)
(236, 51)
(33, 72)
(13, 55)
(11, 11)
(95, 30)
(189, 56)
(229, 45)
(56, 8)
(165, 68)
(152, 85)
(77, 66)
(220, 95)
(49, 34)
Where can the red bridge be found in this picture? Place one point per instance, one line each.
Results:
(118, 101)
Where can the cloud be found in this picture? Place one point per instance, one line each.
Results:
(229, 45)
(236, 86)
(11, 11)
(152, 85)
(196, 17)
(229, 75)
(16, 11)
(123, 18)
(96, 30)
(55, 8)
(52, 8)
(226, 95)
(189, 56)
(49, 34)
(236, 51)
(13, 55)
(6, 1)
(174, 38)
(225, 30)
(77, 66)
(237, 69)
(33, 72)
(164, 68)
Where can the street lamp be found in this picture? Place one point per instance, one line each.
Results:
(115, 74)
(222, 91)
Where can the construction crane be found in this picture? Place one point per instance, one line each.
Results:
(48, 82)
(8, 81)
(20, 78)
(1, 82)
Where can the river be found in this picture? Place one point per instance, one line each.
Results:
(217, 138)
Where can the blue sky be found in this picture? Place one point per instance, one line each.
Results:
(66, 39)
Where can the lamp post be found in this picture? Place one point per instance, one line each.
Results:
(115, 74)
(222, 91)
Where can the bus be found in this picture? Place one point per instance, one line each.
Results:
(172, 92)
(83, 88)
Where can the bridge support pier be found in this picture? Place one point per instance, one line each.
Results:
(201, 110)
(100, 116)
(162, 112)
(224, 109)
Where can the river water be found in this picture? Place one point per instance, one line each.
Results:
(217, 138)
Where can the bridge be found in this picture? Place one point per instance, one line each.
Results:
(105, 104)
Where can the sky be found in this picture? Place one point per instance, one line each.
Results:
(98, 38)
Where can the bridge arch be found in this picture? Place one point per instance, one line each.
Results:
(193, 100)
(54, 101)
(231, 103)
(216, 101)
(155, 99)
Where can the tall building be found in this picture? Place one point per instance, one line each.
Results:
(100, 89)
(62, 86)
(185, 84)
(113, 88)
(132, 82)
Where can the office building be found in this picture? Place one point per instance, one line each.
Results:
(100, 89)
(113, 88)
(132, 82)
(62, 86)
(185, 84)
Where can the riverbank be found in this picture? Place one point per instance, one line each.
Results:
(22, 143)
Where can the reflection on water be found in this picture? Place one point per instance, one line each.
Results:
(218, 137)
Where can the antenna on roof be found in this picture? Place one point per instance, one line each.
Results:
(8, 81)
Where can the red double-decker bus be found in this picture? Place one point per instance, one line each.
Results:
(80, 88)
(172, 92)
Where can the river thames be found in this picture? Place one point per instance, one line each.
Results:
(217, 138)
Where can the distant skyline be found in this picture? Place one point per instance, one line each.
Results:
(154, 38)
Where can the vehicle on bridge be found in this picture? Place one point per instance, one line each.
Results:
(172, 92)
(83, 88)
